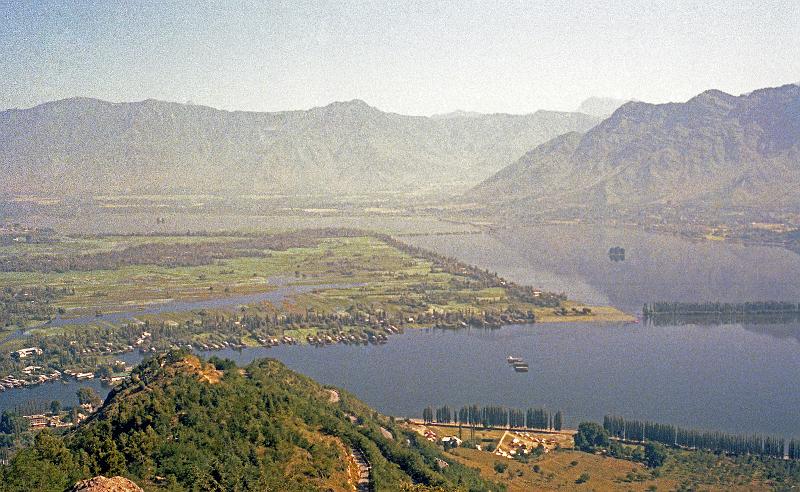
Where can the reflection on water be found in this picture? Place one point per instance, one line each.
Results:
(671, 319)
(732, 377)
(657, 267)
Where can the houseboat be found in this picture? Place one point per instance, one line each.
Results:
(521, 367)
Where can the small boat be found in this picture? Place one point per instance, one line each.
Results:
(521, 367)
(513, 360)
(616, 254)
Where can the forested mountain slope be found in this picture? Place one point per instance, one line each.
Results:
(183, 424)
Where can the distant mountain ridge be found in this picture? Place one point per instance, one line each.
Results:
(715, 150)
(458, 113)
(601, 107)
(82, 146)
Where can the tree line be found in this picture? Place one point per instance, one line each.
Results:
(494, 416)
(165, 254)
(719, 442)
(484, 278)
(21, 305)
(742, 308)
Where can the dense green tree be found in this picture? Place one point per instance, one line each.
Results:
(654, 454)
(104, 371)
(591, 436)
(87, 395)
(718, 442)
(47, 465)
(558, 421)
(538, 418)
(12, 423)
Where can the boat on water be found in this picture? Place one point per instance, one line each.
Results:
(518, 363)
(616, 254)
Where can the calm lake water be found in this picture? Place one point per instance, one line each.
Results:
(736, 378)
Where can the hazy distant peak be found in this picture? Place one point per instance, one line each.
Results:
(72, 102)
(458, 113)
(351, 104)
(713, 148)
(600, 106)
(713, 97)
(84, 103)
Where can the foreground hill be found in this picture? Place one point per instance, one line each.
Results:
(81, 145)
(715, 150)
(182, 424)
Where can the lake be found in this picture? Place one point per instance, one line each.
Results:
(735, 378)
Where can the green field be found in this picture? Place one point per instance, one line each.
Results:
(369, 286)
(385, 276)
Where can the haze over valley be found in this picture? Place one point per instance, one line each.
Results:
(399, 246)
(86, 146)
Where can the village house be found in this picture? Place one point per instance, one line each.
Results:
(451, 441)
(26, 352)
(41, 421)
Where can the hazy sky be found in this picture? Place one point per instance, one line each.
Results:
(406, 56)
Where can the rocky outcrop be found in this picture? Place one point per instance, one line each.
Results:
(103, 484)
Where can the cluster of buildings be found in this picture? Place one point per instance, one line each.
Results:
(447, 441)
(33, 375)
(30, 376)
(26, 352)
(524, 443)
(80, 376)
(41, 421)
(369, 337)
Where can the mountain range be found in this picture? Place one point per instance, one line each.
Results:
(84, 146)
(715, 150)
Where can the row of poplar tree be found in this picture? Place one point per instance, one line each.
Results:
(720, 442)
(763, 307)
(495, 416)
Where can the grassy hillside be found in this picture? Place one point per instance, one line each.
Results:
(180, 423)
